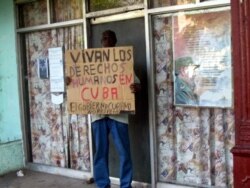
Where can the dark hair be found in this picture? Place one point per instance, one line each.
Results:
(111, 34)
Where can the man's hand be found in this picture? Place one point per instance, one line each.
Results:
(135, 87)
(67, 80)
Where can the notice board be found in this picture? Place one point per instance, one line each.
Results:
(99, 80)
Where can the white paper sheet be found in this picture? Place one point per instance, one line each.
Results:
(57, 99)
(56, 69)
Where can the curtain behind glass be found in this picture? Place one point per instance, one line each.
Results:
(63, 10)
(96, 5)
(193, 143)
(57, 138)
(163, 3)
(28, 10)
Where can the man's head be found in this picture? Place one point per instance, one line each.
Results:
(185, 67)
(184, 62)
(108, 38)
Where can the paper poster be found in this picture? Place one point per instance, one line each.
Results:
(100, 80)
(202, 59)
(57, 98)
(43, 69)
(56, 69)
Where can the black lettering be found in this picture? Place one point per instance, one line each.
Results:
(86, 70)
(114, 78)
(114, 67)
(106, 55)
(92, 69)
(78, 71)
(109, 79)
(99, 68)
(122, 67)
(98, 56)
(71, 71)
(107, 67)
(73, 107)
(97, 105)
(90, 56)
(129, 52)
(74, 71)
(115, 58)
(122, 54)
(74, 59)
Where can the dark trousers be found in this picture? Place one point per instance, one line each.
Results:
(119, 131)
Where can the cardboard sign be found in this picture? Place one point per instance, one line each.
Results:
(100, 80)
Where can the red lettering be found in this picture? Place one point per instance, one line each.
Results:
(88, 94)
(121, 79)
(114, 93)
(105, 93)
(83, 94)
(96, 93)
(93, 93)
(129, 79)
(125, 79)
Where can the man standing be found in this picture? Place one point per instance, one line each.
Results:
(102, 125)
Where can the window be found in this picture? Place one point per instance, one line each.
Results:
(32, 14)
(96, 5)
(62, 10)
(163, 3)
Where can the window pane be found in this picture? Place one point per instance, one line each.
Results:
(206, 37)
(96, 5)
(162, 3)
(32, 14)
(45, 116)
(201, 49)
(63, 10)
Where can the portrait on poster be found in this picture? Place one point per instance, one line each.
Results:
(43, 71)
(202, 59)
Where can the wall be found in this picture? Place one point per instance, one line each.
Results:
(11, 152)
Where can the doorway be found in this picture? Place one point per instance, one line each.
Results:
(131, 33)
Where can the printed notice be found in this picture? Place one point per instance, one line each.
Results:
(56, 70)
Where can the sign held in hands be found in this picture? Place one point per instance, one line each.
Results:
(100, 80)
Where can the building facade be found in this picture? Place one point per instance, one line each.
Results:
(175, 140)
(11, 143)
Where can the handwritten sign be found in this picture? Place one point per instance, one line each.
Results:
(100, 80)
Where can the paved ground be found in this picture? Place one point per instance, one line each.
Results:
(33, 179)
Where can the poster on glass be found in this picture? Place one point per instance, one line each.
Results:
(202, 59)
(43, 71)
